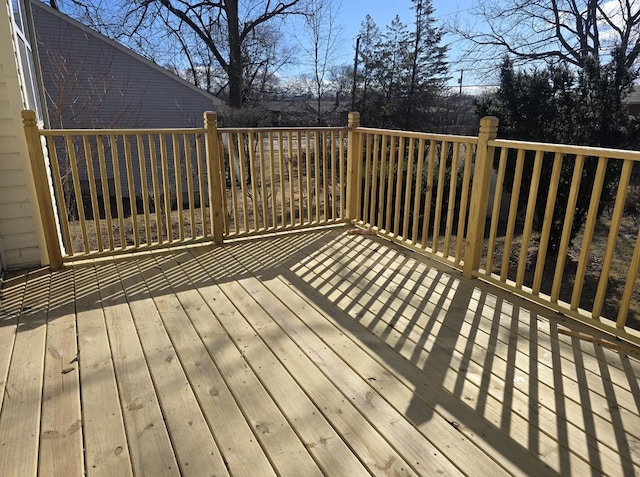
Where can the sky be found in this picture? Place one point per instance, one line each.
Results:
(353, 12)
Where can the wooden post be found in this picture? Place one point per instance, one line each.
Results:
(354, 166)
(480, 195)
(214, 163)
(43, 191)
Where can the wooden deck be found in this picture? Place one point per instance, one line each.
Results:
(315, 353)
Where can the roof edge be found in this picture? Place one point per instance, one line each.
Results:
(124, 49)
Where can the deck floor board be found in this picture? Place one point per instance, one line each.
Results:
(482, 341)
(310, 353)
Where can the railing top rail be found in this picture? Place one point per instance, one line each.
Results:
(120, 131)
(285, 129)
(567, 149)
(420, 135)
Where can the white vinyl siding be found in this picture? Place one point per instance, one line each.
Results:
(19, 219)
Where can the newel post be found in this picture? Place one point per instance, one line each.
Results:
(354, 166)
(43, 191)
(480, 194)
(214, 176)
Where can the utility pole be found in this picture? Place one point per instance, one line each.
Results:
(355, 74)
(460, 82)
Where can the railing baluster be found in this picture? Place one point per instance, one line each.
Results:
(390, 185)
(427, 202)
(219, 218)
(343, 177)
(91, 178)
(283, 182)
(253, 165)
(188, 168)
(144, 187)
(325, 176)
(464, 202)
(407, 188)
(398, 190)
(513, 212)
(417, 201)
(587, 237)
(453, 190)
(630, 286)
(77, 191)
(310, 193)
(292, 202)
(333, 161)
(57, 183)
(155, 180)
(548, 220)
(131, 190)
(299, 162)
(442, 168)
(115, 163)
(495, 210)
(166, 187)
(273, 190)
(104, 182)
(245, 178)
(568, 225)
(177, 167)
(316, 172)
(235, 180)
(261, 163)
(375, 180)
(383, 181)
(202, 187)
(614, 229)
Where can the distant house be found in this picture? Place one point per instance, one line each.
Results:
(92, 81)
(297, 111)
(633, 103)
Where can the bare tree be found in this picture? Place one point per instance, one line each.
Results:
(210, 20)
(226, 28)
(568, 31)
(320, 40)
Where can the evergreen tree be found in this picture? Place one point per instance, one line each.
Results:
(369, 98)
(559, 105)
(369, 35)
(402, 74)
(428, 62)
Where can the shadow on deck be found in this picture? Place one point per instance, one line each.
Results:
(452, 375)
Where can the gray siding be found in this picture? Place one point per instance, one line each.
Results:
(93, 82)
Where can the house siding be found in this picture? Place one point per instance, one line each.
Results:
(97, 83)
(93, 82)
(20, 235)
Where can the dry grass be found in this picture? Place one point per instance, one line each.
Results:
(617, 279)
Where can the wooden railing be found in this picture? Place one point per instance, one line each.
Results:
(121, 189)
(124, 189)
(551, 185)
(499, 210)
(473, 202)
(414, 189)
(283, 179)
